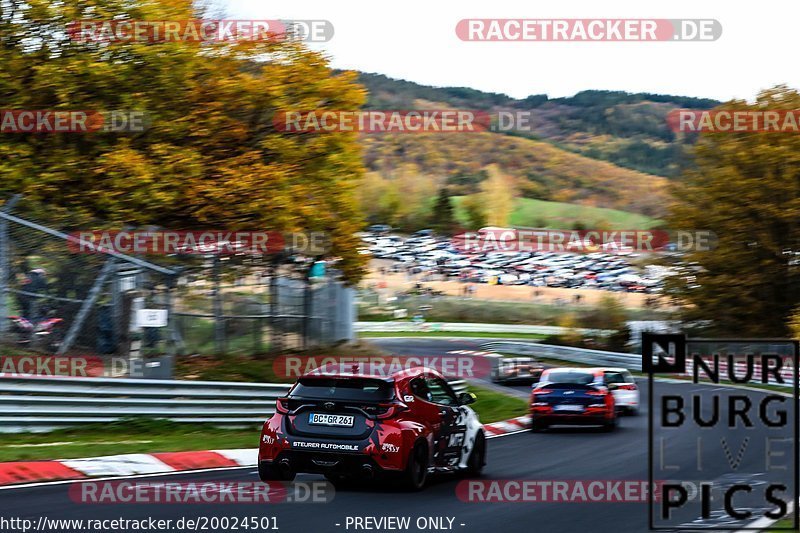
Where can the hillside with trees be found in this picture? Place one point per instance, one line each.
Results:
(596, 149)
(407, 171)
(627, 129)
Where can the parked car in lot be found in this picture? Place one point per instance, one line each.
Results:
(352, 425)
(572, 396)
(437, 255)
(379, 228)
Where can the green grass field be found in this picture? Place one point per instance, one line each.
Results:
(558, 215)
(494, 406)
(781, 525)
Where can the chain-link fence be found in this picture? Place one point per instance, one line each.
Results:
(255, 305)
(59, 300)
(67, 295)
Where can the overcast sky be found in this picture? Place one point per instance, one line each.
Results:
(416, 40)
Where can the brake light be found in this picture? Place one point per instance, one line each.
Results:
(542, 391)
(388, 410)
(628, 386)
(595, 393)
(282, 405)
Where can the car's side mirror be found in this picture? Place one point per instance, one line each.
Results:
(466, 398)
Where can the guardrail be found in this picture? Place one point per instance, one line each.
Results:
(568, 353)
(39, 404)
(590, 357)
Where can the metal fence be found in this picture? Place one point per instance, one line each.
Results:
(260, 308)
(62, 294)
(43, 404)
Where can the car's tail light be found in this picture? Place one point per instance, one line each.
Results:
(628, 386)
(282, 405)
(596, 392)
(388, 410)
(610, 404)
(541, 392)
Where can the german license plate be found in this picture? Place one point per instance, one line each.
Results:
(568, 407)
(321, 419)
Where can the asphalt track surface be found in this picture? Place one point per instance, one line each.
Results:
(559, 454)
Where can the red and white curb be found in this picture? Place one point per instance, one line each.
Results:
(507, 426)
(132, 464)
(12, 473)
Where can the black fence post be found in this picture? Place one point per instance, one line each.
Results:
(219, 320)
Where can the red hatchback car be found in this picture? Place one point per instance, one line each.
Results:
(349, 425)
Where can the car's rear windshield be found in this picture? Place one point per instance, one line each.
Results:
(358, 389)
(566, 377)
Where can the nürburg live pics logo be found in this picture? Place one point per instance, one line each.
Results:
(722, 433)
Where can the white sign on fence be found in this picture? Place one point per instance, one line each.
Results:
(127, 283)
(151, 318)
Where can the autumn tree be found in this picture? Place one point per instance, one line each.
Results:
(474, 211)
(497, 193)
(613, 318)
(211, 156)
(745, 187)
(378, 199)
(401, 197)
(443, 216)
(415, 190)
(570, 335)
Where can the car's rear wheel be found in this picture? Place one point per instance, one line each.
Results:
(416, 472)
(273, 472)
(538, 425)
(477, 457)
(610, 425)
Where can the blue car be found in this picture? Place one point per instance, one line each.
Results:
(572, 396)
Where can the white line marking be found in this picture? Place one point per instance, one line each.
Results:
(506, 434)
